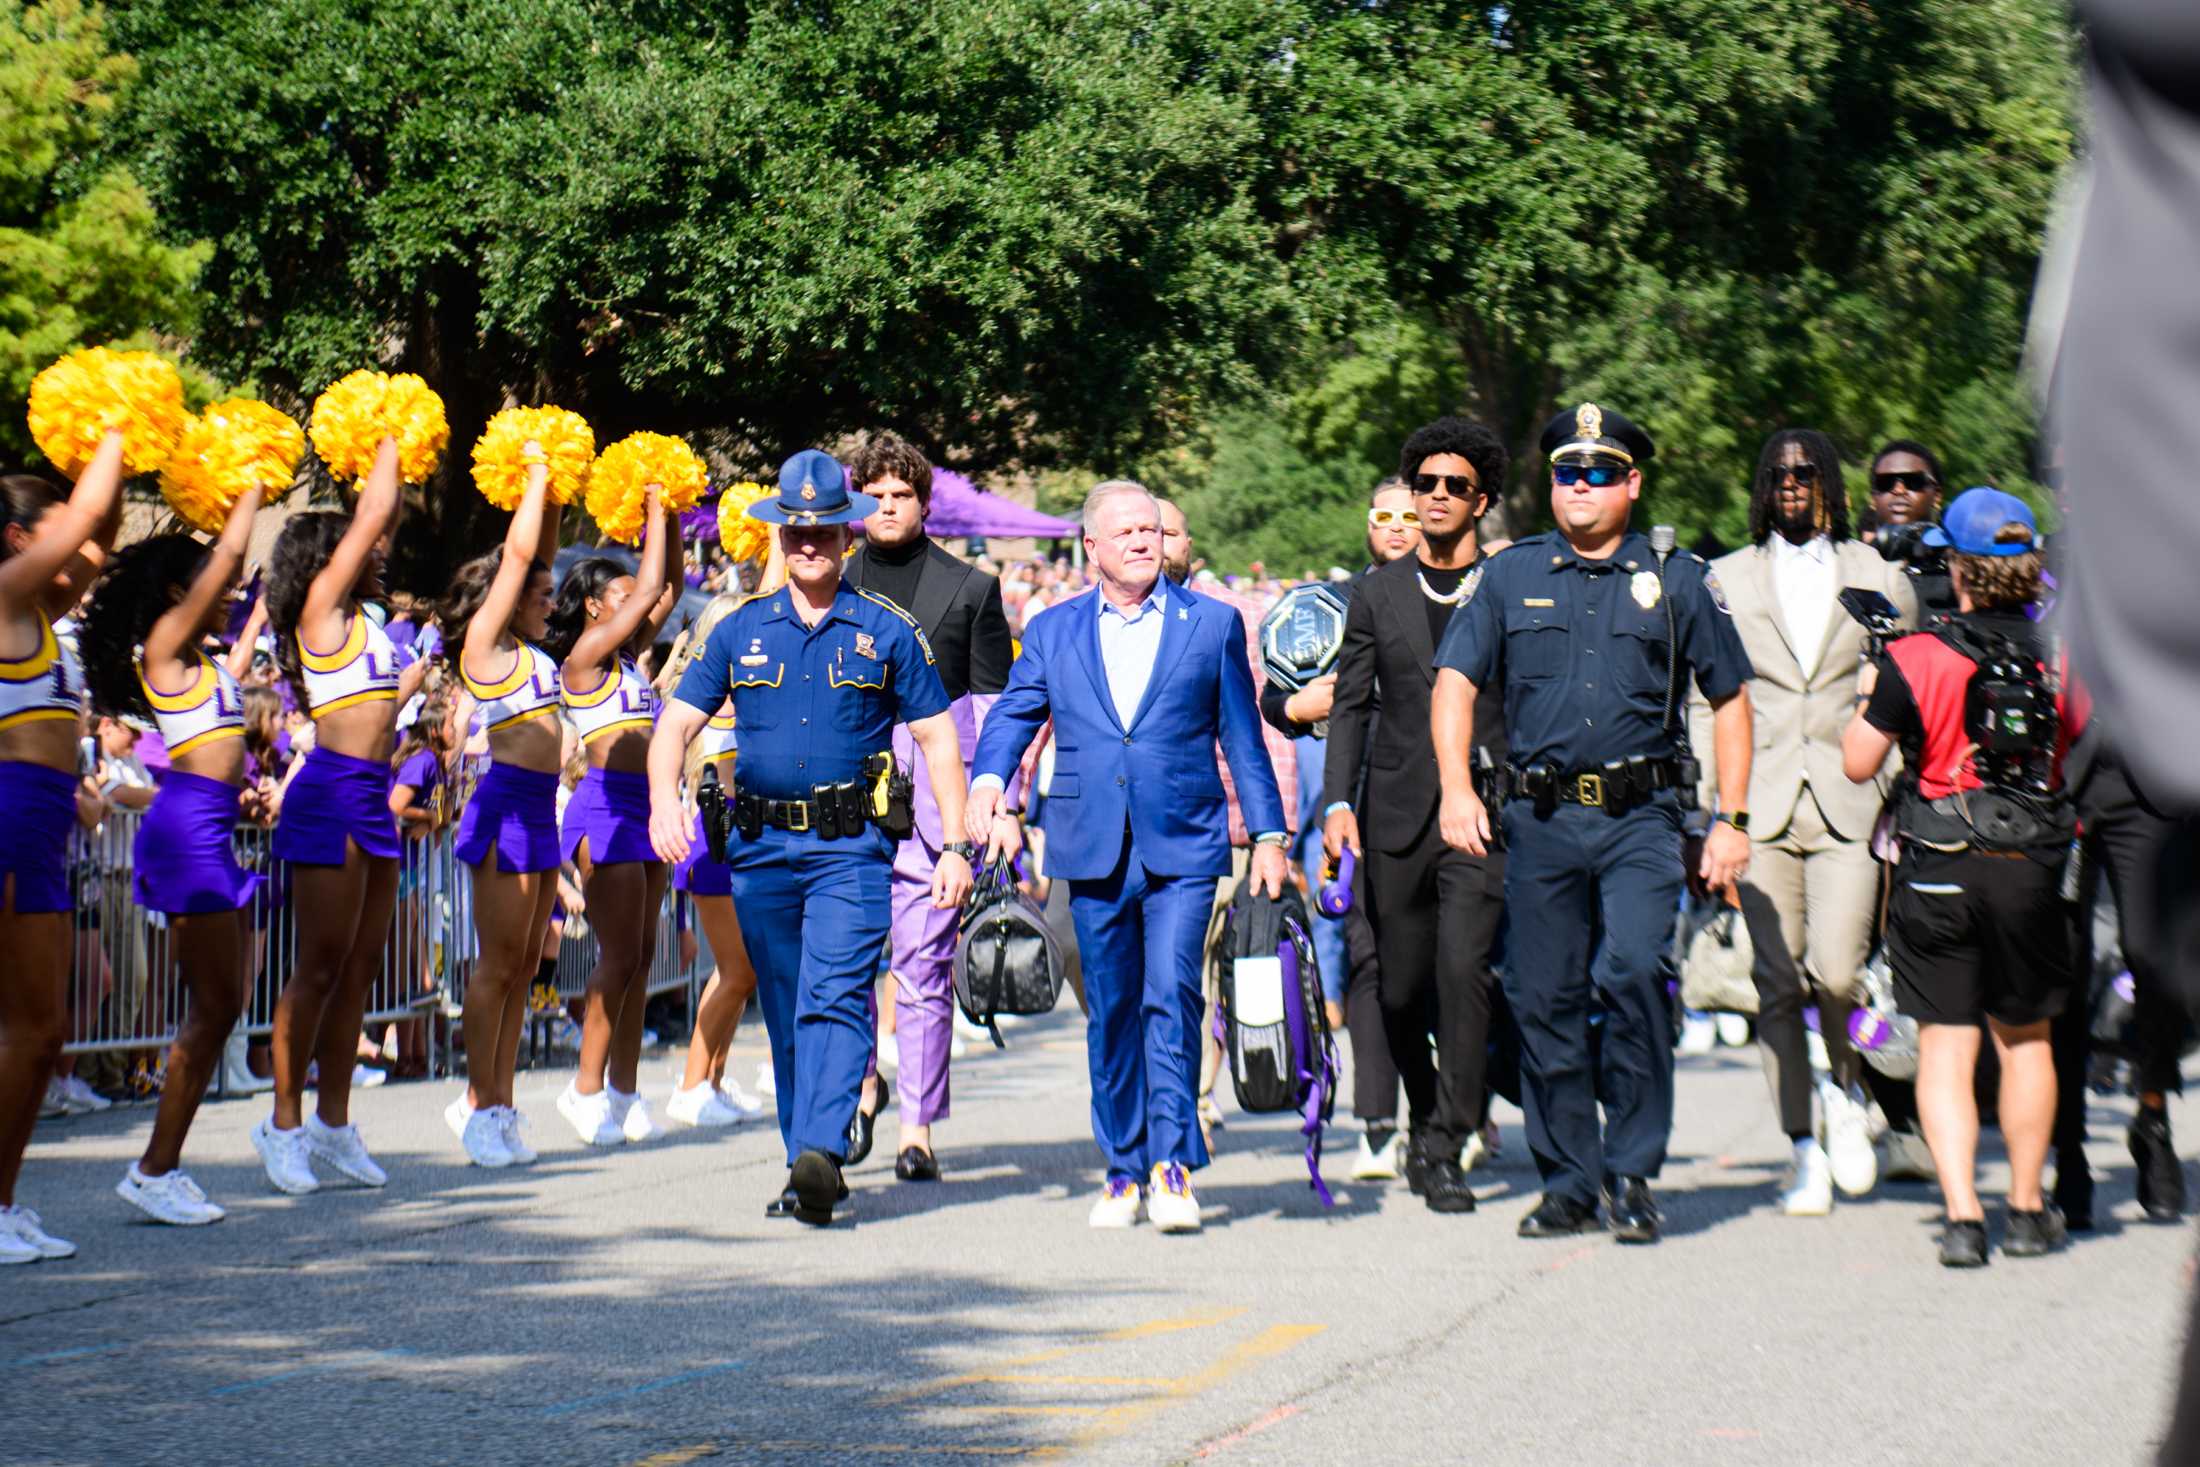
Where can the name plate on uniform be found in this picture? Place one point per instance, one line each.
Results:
(1301, 634)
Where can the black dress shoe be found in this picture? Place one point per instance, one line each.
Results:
(1963, 1245)
(1416, 1172)
(2161, 1176)
(1634, 1212)
(863, 1128)
(2074, 1198)
(782, 1205)
(915, 1164)
(1447, 1189)
(816, 1183)
(1559, 1217)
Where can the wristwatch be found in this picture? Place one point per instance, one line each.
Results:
(1739, 819)
(967, 849)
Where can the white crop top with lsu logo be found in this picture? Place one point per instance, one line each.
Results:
(47, 685)
(211, 711)
(530, 691)
(718, 740)
(619, 701)
(363, 670)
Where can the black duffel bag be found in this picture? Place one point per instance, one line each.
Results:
(1007, 960)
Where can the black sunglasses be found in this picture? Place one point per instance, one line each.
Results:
(1458, 486)
(1917, 482)
(1600, 476)
(1803, 474)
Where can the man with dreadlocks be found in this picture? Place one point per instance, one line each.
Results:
(1812, 890)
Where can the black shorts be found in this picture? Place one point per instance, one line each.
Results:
(1978, 935)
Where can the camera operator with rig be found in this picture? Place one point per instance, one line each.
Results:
(1976, 926)
(1905, 502)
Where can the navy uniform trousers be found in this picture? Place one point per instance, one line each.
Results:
(814, 914)
(1141, 937)
(1592, 899)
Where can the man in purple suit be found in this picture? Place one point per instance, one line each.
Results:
(1142, 679)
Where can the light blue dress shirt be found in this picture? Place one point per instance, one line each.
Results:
(1130, 642)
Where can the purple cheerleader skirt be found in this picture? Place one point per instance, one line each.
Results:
(699, 875)
(610, 811)
(184, 862)
(41, 806)
(513, 812)
(336, 798)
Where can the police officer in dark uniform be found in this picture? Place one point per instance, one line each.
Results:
(1588, 633)
(819, 674)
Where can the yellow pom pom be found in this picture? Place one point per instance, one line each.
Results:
(231, 447)
(351, 419)
(618, 488)
(743, 537)
(77, 399)
(500, 454)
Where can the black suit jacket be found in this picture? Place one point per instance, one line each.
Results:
(1389, 659)
(959, 608)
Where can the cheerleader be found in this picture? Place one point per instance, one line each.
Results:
(602, 614)
(705, 1098)
(497, 611)
(50, 549)
(335, 830)
(154, 606)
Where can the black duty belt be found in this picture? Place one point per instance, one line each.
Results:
(1617, 785)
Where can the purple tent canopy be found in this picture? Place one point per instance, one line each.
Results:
(960, 508)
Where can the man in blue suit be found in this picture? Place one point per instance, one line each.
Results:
(1141, 678)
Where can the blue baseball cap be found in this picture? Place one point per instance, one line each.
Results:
(813, 490)
(1974, 517)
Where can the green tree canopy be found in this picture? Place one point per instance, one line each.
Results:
(81, 260)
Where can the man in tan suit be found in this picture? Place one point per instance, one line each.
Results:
(1812, 893)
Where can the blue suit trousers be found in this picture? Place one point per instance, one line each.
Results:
(1141, 937)
(814, 915)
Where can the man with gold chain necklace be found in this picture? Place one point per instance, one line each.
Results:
(1434, 910)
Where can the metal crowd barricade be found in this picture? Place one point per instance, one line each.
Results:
(125, 992)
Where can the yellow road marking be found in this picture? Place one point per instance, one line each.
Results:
(831, 1451)
(1140, 1382)
(1269, 1343)
(994, 1374)
(679, 1455)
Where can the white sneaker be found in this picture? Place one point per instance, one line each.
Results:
(1118, 1205)
(15, 1250)
(638, 1123)
(1379, 1163)
(1733, 1030)
(1846, 1125)
(171, 1198)
(483, 1138)
(1699, 1033)
(1809, 1192)
(82, 1098)
(701, 1105)
(747, 1105)
(1172, 1206)
(590, 1116)
(457, 1114)
(284, 1154)
(342, 1148)
(366, 1077)
(51, 1104)
(236, 1076)
(23, 1225)
(513, 1126)
(975, 1033)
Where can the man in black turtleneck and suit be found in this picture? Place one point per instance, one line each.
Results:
(958, 607)
(1434, 910)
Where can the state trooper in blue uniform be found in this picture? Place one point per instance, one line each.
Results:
(1589, 633)
(819, 674)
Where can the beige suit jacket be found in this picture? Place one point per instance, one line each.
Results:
(1798, 721)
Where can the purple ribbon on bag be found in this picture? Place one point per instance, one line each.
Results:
(1317, 1073)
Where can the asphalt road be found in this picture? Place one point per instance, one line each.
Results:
(635, 1307)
